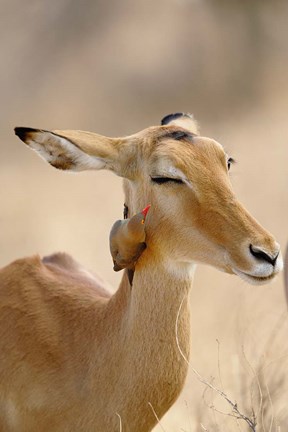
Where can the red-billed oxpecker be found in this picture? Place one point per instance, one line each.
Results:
(127, 241)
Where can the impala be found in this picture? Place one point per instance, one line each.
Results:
(73, 357)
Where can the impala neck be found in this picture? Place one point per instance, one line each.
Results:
(154, 328)
(160, 281)
(157, 298)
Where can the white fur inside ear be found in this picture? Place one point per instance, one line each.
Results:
(62, 153)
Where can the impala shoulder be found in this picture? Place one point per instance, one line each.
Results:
(62, 259)
(70, 272)
(25, 265)
(16, 279)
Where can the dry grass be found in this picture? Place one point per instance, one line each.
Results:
(255, 400)
(261, 403)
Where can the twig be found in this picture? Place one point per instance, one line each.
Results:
(120, 422)
(256, 376)
(157, 418)
(235, 410)
(219, 369)
(216, 425)
(189, 419)
(271, 404)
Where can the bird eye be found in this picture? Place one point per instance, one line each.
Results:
(162, 180)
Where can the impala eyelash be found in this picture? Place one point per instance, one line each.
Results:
(162, 180)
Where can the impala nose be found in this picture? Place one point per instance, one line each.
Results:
(263, 256)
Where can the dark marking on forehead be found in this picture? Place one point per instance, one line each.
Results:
(170, 117)
(179, 135)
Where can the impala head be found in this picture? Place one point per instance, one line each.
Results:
(194, 214)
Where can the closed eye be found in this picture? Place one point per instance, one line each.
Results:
(162, 180)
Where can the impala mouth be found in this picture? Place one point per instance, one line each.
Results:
(255, 280)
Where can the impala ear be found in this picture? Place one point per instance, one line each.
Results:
(75, 150)
(185, 121)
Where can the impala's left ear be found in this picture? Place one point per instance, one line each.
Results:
(185, 121)
(78, 150)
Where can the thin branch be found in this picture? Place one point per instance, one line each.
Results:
(219, 369)
(219, 373)
(157, 418)
(256, 376)
(216, 425)
(234, 415)
(271, 404)
(176, 332)
(251, 424)
(120, 422)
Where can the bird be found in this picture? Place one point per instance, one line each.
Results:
(127, 241)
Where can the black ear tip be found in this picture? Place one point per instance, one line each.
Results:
(170, 117)
(22, 132)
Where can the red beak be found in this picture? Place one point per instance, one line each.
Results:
(145, 210)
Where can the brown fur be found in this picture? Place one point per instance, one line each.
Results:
(74, 358)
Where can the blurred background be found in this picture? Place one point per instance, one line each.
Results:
(116, 67)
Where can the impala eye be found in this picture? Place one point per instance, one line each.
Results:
(230, 161)
(162, 180)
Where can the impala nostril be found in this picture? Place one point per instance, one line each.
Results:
(263, 256)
